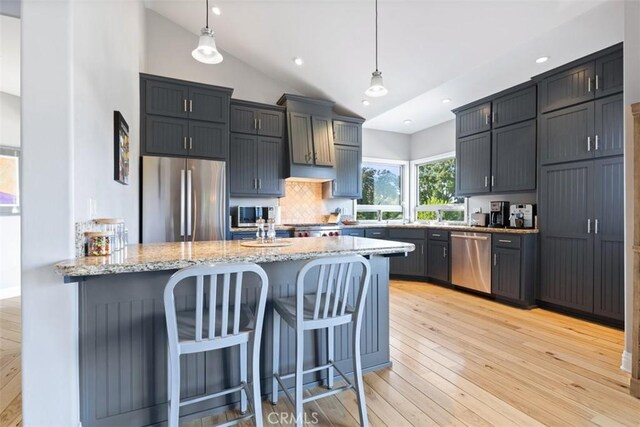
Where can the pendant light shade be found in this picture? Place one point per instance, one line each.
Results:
(376, 88)
(207, 52)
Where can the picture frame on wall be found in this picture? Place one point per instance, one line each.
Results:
(9, 181)
(121, 142)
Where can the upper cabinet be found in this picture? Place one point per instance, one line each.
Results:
(514, 107)
(473, 164)
(513, 158)
(251, 118)
(184, 119)
(594, 76)
(301, 138)
(323, 153)
(347, 138)
(347, 133)
(473, 120)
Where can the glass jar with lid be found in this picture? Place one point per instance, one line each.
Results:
(114, 226)
(98, 243)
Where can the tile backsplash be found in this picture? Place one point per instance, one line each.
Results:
(303, 203)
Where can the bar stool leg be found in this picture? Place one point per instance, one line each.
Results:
(330, 354)
(299, 374)
(243, 377)
(276, 356)
(357, 376)
(174, 392)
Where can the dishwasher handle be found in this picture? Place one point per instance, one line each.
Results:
(463, 236)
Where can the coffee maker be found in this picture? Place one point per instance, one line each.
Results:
(499, 216)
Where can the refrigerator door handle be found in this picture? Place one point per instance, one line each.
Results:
(182, 205)
(189, 203)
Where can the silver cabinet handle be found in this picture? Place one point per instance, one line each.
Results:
(588, 143)
(259, 183)
(597, 226)
(597, 142)
(376, 233)
(191, 106)
(435, 235)
(189, 204)
(190, 143)
(185, 106)
(495, 259)
(185, 143)
(259, 123)
(182, 201)
(589, 226)
(255, 183)
(444, 252)
(597, 82)
(589, 85)
(493, 180)
(486, 181)
(493, 117)
(504, 241)
(421, 249)
(486, 119)
(255, 123)
(334, 185)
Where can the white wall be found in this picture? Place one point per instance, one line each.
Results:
(434, 140)
(169, 49)
(631, 96)
(91, 53)
(9, 225)
(385, 145)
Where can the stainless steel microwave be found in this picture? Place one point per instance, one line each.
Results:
(247, 216)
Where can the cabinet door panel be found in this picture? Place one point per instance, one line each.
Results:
(166, 99)
(567, 134)
(323, 150)
(609, 74)
(271, 123)
(209, 105)
(609, 238)
(348, 172)
(566, 205)
(609, 127)
(567, 88)
(438, 260)
(243, 119)
(473, 164)
(505, 274)
(513, 165)
(208, 140)
(300, 138)
(164, 135)
(243, 164)
(270, 166)
(473, 120)
(515, 107)
(412, 264)
(347, 133)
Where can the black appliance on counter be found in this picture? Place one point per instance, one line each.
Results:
(499, 217)
(248, 216)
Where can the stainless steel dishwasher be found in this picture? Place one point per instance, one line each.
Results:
(471, 261)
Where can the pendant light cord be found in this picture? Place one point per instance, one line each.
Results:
(376, 35)
(207, 23)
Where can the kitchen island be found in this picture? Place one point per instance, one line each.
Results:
(122, 326)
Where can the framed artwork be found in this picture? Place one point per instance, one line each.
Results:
(121, 149)
(9, 180)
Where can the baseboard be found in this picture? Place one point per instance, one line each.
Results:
(12, 292)
(626, 361)
(635, 387)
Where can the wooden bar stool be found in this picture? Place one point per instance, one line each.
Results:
(220, 324)
(326, 307)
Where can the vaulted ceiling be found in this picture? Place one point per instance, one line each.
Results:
(429, 50)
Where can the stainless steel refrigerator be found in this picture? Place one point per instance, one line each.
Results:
(183, 200)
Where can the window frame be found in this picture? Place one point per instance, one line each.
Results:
(415, 207)
(405, 192)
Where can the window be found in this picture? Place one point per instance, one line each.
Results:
(435, 190)
(382, 190)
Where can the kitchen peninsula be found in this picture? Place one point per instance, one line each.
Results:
(122, 326)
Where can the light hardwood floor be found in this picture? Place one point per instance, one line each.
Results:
(10, 368)
(457, 360)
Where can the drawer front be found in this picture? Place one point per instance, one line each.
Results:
(405, 233)
(438, 235)
(355, 232)
(375, 233)
(506, 241)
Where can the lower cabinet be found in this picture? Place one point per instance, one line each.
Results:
(412, 264)
(438, 255)
(353, 232)
(513, 271)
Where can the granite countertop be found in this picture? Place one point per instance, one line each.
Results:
(254, 229)
(449, 227)
(173, 256)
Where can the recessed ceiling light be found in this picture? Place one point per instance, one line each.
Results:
(446, 100)
(298, 61)
(365, 103)
(542, 59)
(407, 121)
(216, 10)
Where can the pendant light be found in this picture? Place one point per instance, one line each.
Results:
(376, 88)
(206, 52)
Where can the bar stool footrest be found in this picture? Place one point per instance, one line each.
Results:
(327, 393)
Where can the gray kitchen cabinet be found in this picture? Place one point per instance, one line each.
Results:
(271, 123)
(347, 133)
(348, 182)
(323, 150)
(210, 105)
(256, 165)
(567, 87)
(513, 164)
(300, 138)
(242, 119)
(438, 260)
(609, 126)
(514, 107)
(473, 120)
(208, 140)
(514, 268)
(256, 119)
(608, 235)
(413, 263)
(473, 164)
(609, 74)
(164, 98)
(567, 135)
(166, 136)
(375, 233)
(353, 232)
